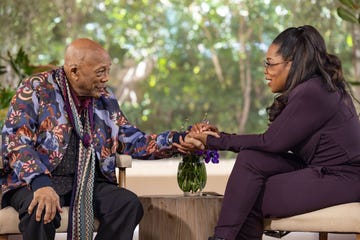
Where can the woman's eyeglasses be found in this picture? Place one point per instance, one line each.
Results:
(267, 64)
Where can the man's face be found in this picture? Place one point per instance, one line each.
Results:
(92, 75)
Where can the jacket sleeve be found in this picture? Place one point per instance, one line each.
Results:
(141, 145)
(19, 135)
(309, 106)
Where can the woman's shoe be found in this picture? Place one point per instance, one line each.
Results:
(216, 238)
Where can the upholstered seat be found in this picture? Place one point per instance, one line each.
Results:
(344, 218)
(9, 219)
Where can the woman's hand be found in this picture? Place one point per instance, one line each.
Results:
(204, 127)
(196, 138)
(201, 136)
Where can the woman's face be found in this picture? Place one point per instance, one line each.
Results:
(276, 69)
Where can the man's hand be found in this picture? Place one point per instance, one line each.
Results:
(47, 200)
(194, 141)
(199, 137)
(188, 145)
(196, 138)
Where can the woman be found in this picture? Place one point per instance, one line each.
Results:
(309, 157)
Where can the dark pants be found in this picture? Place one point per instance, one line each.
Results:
(118, 210)
(20, 199)
(270, 185)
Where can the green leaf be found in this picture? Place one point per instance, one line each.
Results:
(348, 3)
(5, 96)
(346, 15)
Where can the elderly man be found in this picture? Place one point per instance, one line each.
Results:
(59, 143)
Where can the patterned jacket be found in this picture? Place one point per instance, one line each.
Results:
(37, 131)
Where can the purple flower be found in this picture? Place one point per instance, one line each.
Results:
(209, 155)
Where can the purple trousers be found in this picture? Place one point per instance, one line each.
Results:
(272, 185)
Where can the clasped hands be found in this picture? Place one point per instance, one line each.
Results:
(196, 138)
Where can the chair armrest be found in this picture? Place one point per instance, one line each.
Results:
(123, 162)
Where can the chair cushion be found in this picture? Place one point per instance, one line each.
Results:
(339, 218)
(9, 221)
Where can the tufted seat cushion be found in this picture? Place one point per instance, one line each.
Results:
(9, 220)
(343, 218)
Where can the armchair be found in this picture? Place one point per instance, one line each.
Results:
(9, 217)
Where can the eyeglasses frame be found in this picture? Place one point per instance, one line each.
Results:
(266, 63)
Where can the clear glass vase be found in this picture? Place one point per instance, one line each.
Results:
(191, 175)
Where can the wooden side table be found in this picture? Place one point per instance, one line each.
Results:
(178, 217)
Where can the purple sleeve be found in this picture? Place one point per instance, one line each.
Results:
(310, 105)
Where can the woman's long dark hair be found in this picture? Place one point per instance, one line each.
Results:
(306, 48)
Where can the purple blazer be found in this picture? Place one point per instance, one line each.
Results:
(320, 127)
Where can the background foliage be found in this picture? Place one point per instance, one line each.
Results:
(175, 61)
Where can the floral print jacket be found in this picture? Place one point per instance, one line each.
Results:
(37, 131)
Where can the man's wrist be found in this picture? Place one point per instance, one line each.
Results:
(170, 139)
(175, 137)
(40, 181)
